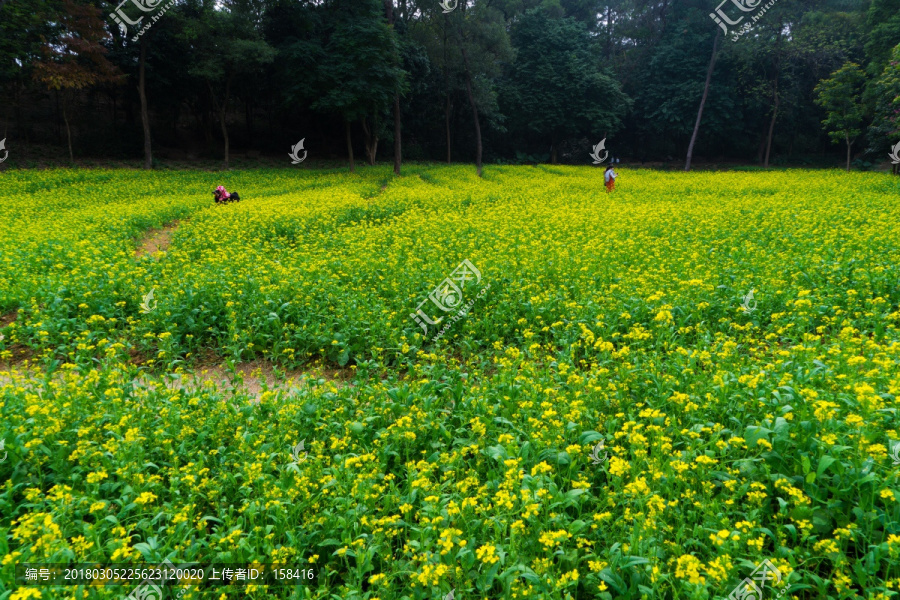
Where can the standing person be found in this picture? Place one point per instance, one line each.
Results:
(610, 177)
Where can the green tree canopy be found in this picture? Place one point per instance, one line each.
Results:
(557, 86)
(841, 97)
(360, 68)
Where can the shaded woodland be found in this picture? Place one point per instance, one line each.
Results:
(493, 81)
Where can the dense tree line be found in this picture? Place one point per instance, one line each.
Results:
(467, 80)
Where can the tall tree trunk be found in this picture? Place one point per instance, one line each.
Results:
(65, 113)
(849, 143)
(776, 64)
(225, 135)
(349, 145)
(761, 147)
(709, 72)
(398, 153)
(447, 126)
(447, 88)
(142, 92)
(9, 109)
(474, 107)
(553, 145)
(248, 111)
(21, 126)
(772, 126)
(57, 115)
(663, 18)
(222, 121)
(471, 95)
(371, 141)
(398, 157)
(608, 31)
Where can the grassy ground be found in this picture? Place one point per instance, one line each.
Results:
(734, 429)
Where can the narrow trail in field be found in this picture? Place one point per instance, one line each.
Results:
(156, 240)
(251, 378)
(259, 373)
(20, 353)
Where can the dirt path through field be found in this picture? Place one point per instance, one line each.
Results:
(156, 240)
(252, 377)
(249, 379)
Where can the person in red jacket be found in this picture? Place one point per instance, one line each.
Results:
(610, 177)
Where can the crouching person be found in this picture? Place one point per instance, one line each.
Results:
(222, 196)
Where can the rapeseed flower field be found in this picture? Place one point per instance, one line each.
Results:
(730, 338)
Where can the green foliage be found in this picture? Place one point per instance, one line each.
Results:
(359, 71)
(885, 129)
(731, 436)
(225, 45)
(557, 87)
(546, 74)
(24, 27)
(668, 85)
(840, 96)
(485, 35)
(884, 23)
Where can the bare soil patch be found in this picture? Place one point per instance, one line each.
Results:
(20, 353)
(19, 370)
(253, 377)
(7, 319)
(248, 379)
(156, 240)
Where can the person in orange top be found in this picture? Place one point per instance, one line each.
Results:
(610, 177)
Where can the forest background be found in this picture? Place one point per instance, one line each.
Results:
(812, 83)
